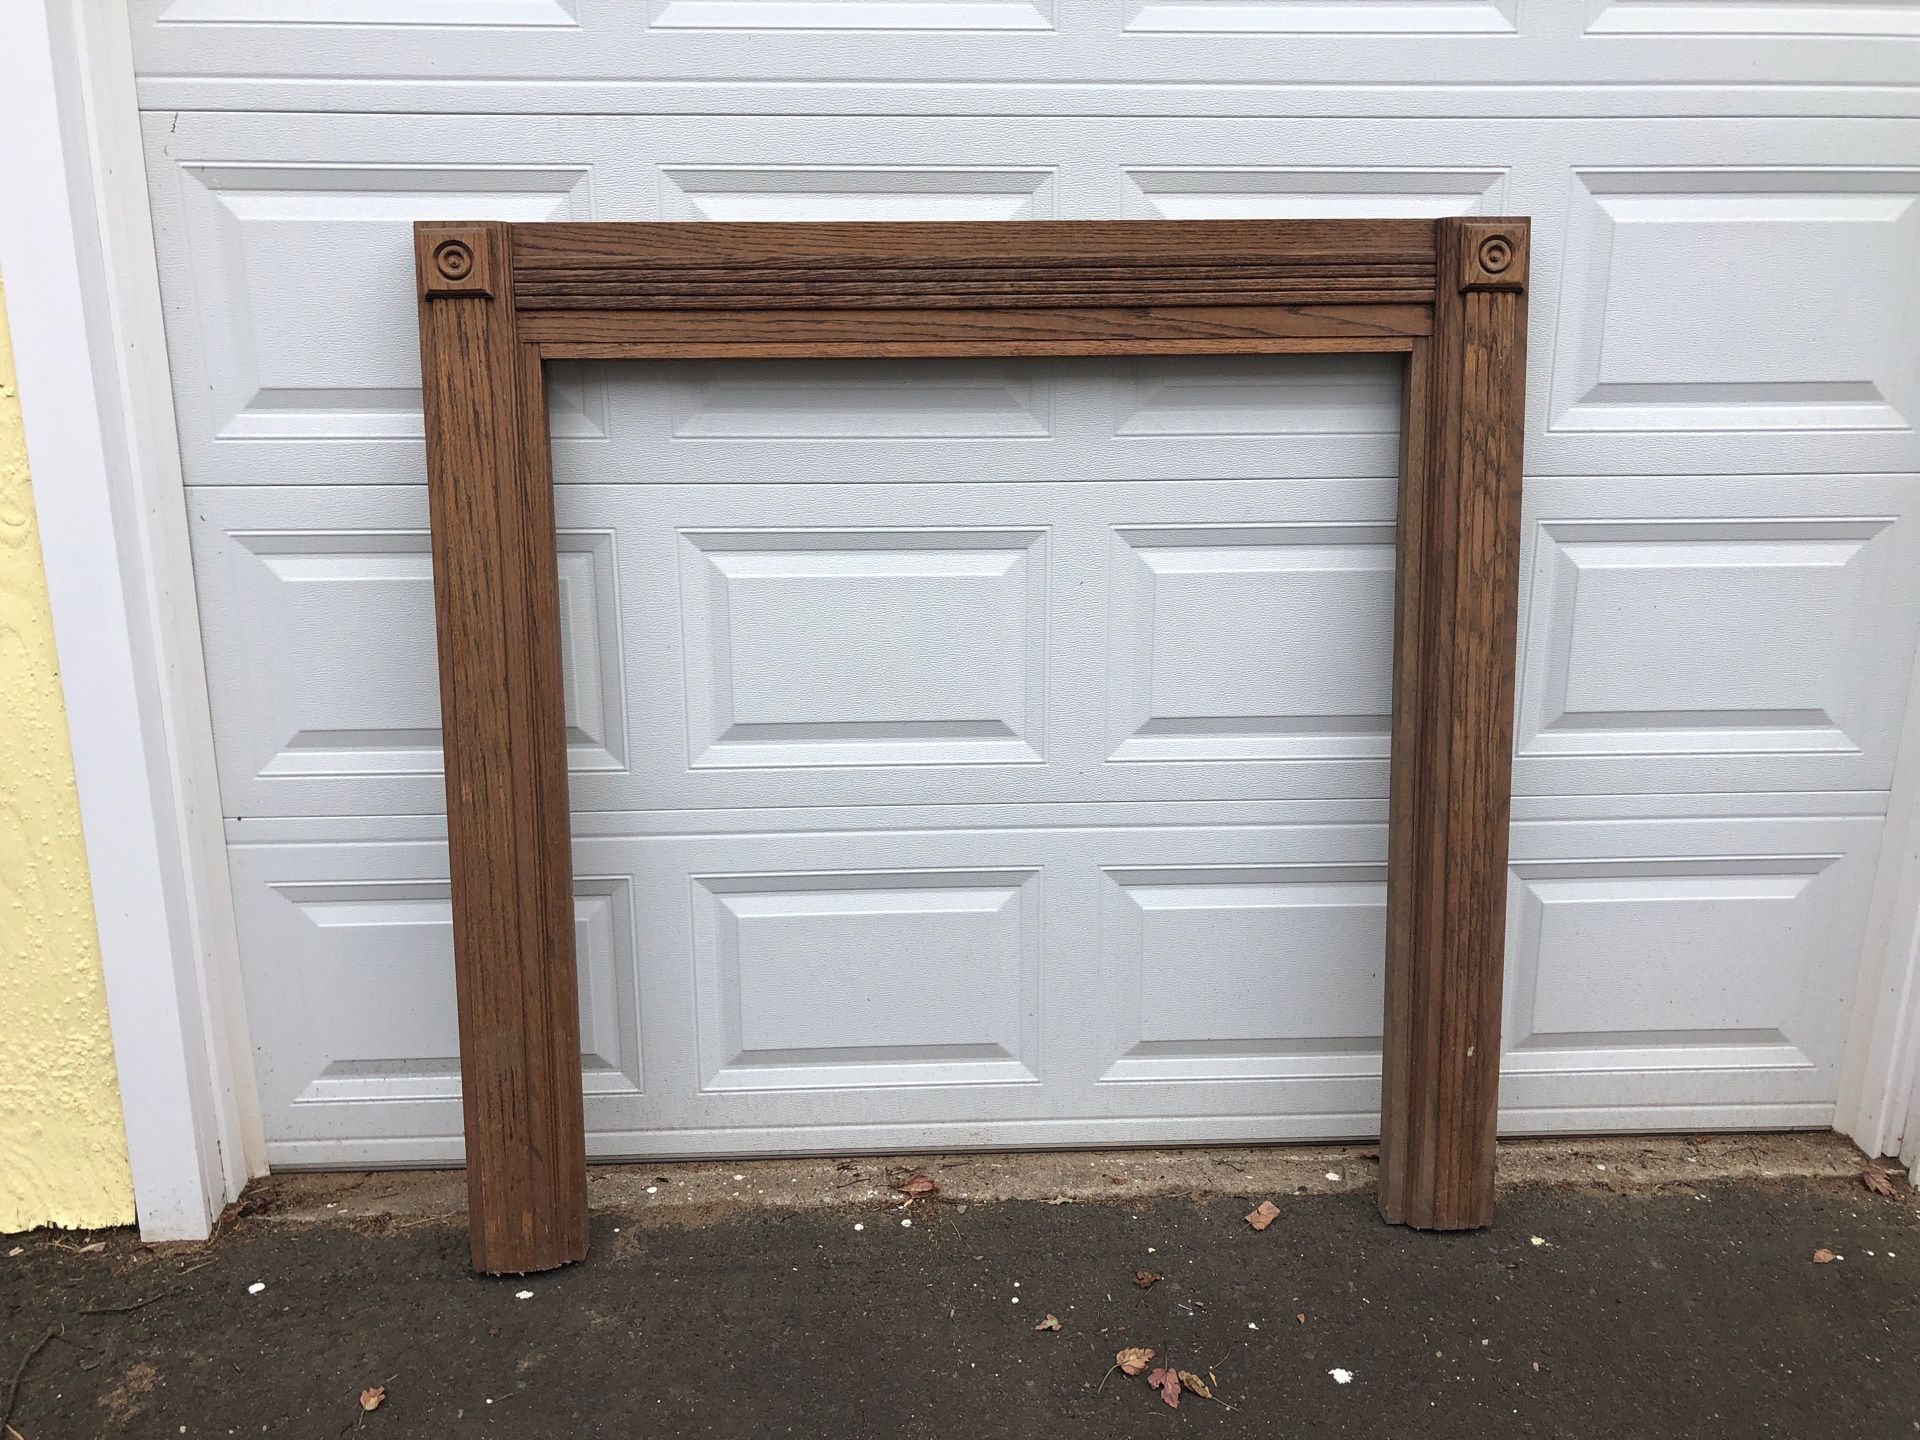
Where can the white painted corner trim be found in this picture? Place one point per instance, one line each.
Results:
(1879, 1105)
(76, 251)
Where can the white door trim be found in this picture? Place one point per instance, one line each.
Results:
(1879, 1106)
(76, 250)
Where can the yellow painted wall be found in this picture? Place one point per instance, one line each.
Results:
(63, 1148)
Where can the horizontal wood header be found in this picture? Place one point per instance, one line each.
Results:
(969, 266)
(810, 246)
(1061, 287)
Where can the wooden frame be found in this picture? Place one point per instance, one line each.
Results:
(498, 300)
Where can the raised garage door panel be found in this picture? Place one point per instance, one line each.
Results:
(994, 753)
(1105, 984)
(1696, 304)
(949, 644)
(493, 54)
(792, 645)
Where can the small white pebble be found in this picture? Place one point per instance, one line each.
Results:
(858, 1226)
(1016, 1299)
(523, 1294)
(1149, 1249)
(1252, 1326)
(1333, 1174)
(1536, 1240)
(1340, 1376)
(1016, 1284)
(653, 1189)
(739, 1177)
(906, 1224)
(256, 1287)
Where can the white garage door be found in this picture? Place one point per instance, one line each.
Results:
(986, 753)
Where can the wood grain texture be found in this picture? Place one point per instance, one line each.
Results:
(497, 300)
(1211, 329)
(925, 261)
(496, 602)
(1453, 733)
(898, 290)
(958, 349)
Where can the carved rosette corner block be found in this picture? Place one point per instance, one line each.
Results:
(457, 261)
(1493, 255)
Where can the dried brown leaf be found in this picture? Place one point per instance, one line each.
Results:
(1052, 1322)
(1877, 1178)
(373, 1397)
(1168, 1384)
(1301, 1317)
(915, 1186)
(1195, 1384)
(1263, 1215)
(1133, 1359)
(1824, 1256)
(1147, 1279)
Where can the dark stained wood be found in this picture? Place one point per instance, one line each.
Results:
(952, 290)
(950, 349)
(497, 300)
(1406, 783)
(1452, 737)
(1215, 329)
(496, 598)
(753, 253)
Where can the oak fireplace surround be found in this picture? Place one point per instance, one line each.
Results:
(499, 300)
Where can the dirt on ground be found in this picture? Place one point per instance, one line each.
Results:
(1620, 1164)
(1591, 1308)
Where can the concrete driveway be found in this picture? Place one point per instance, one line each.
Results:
(1628, 1289)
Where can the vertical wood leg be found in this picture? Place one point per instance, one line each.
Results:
(1453, 732)
(495, 589)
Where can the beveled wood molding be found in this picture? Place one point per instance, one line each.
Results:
(499, 300)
